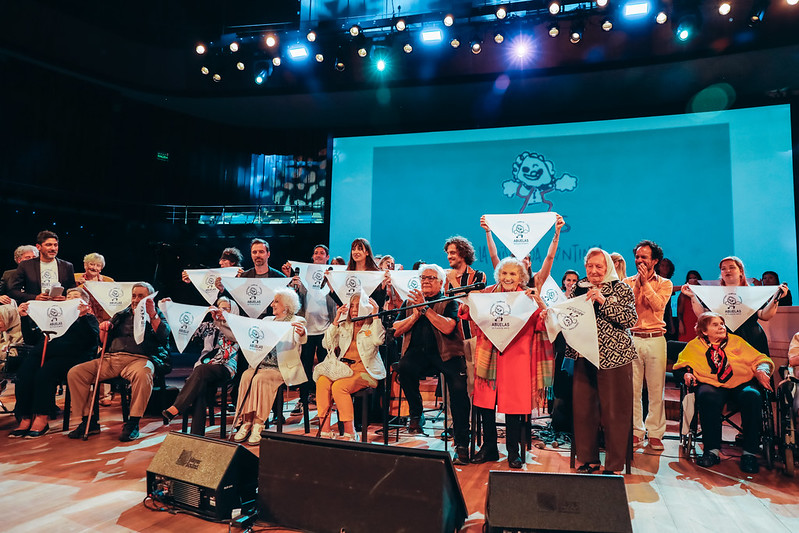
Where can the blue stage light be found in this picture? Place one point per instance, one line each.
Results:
(433, 35)
(635, 9)
(298, 52)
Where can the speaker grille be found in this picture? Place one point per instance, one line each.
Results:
(186, 494)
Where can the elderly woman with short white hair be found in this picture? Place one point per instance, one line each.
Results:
(258, 386)
(603, 397)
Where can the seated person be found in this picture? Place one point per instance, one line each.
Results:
(127, 359)
(258, 386)
(772, 279)
(10, 328)
(358, 344)
(790, 386)
(216, 365)
(723, 366)
(36, 382)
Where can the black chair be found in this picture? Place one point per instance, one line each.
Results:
(786, 421)
(120, 386)
(224, 388)
(279, 402)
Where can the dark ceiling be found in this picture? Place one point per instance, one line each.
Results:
(146, 52)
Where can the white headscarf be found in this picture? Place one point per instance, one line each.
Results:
(610, 271)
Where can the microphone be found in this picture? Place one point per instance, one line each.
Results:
(324, 279)
(467, 288)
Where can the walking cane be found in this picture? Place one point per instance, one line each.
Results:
(44, 348)
(96, 386)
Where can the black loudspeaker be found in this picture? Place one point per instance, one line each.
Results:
(207, 476)
(330, 486)
(531, 501)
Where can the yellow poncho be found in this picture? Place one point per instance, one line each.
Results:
(742, 359)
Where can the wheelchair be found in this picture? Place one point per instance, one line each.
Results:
(690, 431)
(786, 419)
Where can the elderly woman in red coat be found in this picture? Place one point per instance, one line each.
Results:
(512, 381)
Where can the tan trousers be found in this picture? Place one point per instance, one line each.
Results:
(341, 392)
(137, 369)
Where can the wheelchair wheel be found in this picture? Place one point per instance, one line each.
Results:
(767, 433)
(687, 445)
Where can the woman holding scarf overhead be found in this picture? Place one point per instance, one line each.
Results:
(513, 380)
(603, 397)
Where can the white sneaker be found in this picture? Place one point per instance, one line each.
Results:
(327, 435)
(350, 437)
(243, 432)
(255, 435)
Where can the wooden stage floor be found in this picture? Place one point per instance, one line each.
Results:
(55, 484)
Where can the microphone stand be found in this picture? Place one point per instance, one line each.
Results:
(390, 346)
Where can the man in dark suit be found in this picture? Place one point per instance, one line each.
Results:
(22, 253)
(35, 277)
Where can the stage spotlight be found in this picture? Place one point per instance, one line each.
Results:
(407, 48)
(724, 8)
(661, 17)
(553, 29)
(362, 51)
(601, 3)
(276, 61)
(217, 77)
(240, 65)
(449, 20)
(340, 65)
(400, 25)
(476, 45)
(205, 70)
(311, 36)
(433, 35)
(685, 20)
(261, 77)
(607, 24)
(576, 33)
(792, 2)
(636, 9)
(234, 46)
(298, 52)
(319, 57)
(758, 12)
(455, 42)
(380, 65)
(521, 47)
(498, 37)
(554, 8)
(200, 49)
(270, 40)
(501, 12)
(355, 30)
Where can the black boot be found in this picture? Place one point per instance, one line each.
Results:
(513, 425)
(488, 451)
(80, 431)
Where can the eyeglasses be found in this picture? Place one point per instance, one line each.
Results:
(428, 278)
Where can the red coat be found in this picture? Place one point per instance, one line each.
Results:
(516, 375)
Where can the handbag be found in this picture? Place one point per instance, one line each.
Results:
(332, 367)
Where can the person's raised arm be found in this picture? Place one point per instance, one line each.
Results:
(492, 247)
(546, 267)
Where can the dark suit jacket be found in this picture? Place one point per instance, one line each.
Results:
(28, 284)
(7, 280)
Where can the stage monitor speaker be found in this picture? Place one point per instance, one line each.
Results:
(207, 476)
(539, 501)
(329, 486)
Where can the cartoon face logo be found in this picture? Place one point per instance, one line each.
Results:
(570, 318)
(352, 284)
(499, 310)
(210, 281)
(732, 300)
(532, 177)
(550, 296)
(255, 333)
(54, 312)
(254, 291)
(186, 318)
(115, 294)
(414, 284)
(520, 229)
(317, 277)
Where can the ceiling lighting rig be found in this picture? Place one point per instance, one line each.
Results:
(338, 44)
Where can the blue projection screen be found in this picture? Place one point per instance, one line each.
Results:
(703, 186)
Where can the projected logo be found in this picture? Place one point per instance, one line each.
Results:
(534, 176)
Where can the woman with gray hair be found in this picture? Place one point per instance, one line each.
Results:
(603, 397)
(258, 386)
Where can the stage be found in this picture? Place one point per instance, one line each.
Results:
(56, 484)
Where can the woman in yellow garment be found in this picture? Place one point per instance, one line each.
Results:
(358, 343)
(723, 367)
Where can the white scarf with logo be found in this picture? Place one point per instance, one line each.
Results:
(54, 318)
(521, 232)
(204, 280)
(500, 315)
(256, 337)
(736, 304)
(405, 281)
(141, 318)
(183, 320)
(348, 282)
(254, 294)
(113, 296)
(575, 318)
